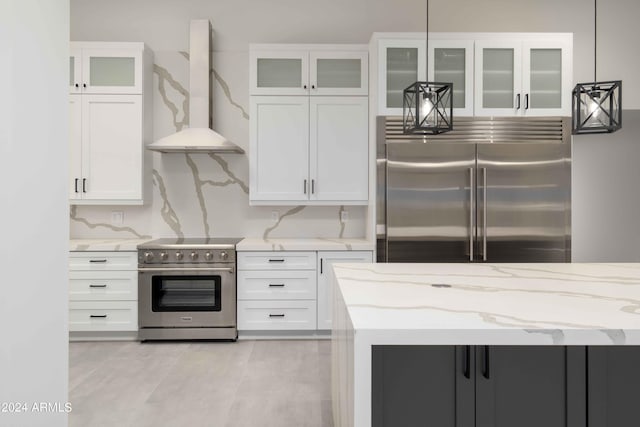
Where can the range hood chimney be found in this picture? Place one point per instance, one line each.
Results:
(199, 137)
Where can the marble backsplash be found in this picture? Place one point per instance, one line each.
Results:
(207, 195)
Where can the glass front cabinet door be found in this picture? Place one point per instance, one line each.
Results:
(279, 73)
(339, 73)
(400, 63)
(451, 61)
(107, 70)
(498, 78)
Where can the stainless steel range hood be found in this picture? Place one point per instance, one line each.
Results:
(199, 137)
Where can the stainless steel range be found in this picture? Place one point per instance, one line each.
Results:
(187, 289)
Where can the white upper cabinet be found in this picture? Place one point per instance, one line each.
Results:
(526, 76)
(501, 74)
(309, 125)
(105, 68)
(275, 70)
(109, 113)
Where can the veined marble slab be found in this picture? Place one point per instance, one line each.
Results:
(471, 304)
(562, 304)
(315, 244)
(105, 244)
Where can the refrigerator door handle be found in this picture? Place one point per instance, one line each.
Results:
(472, 209)
(484, 214)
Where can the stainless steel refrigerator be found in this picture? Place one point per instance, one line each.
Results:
(493, 190)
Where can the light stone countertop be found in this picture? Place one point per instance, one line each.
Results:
(105, 244)
(313, 244)
(492, 304)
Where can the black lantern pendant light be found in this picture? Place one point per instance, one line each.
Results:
(427, 106)
(596, 107)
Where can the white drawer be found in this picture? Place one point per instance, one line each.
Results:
(276, 315)
(97, 261)
(103, 316)
(282, 285)
(103, 285)
(276, 260)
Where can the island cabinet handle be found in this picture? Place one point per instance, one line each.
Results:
(276, 259)
(276, 285)
(97, 261)
(276, 315)
(467, 362)
(486, 362)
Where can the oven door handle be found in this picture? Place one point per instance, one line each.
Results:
(176, 269)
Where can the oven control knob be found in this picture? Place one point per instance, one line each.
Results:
(164, 256)
(179, 256)
(224, 255)
(148, 256)
(194, 256)
(208, 256)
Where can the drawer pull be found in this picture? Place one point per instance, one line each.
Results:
(276, 259)
(98, 316)
(276, 285)
(276, 315)
(97, 286)
(95, 261)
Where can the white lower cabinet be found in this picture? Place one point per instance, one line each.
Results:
(103, 291)
(325, 291)
(288, 290)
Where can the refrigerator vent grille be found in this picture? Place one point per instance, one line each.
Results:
(489, 130)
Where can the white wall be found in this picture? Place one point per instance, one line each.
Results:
(34, 217)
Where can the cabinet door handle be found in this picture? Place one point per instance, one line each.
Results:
(98, 316)
(276, 315)
(304, 186)
(526, 102)
(97, 286)
(304, 87)
(101, 261)
(313, 186)
(313, 86)
(84, 185)
(84, 85)
(77, 85)
(276, 285)
(76, 184)
(321, 262)
(517, 101)
(486, 369)
(276, 259)
(467, 362)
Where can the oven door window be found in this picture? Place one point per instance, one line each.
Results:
(185, 293)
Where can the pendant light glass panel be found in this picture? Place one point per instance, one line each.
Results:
(597, 107)
(427, 108)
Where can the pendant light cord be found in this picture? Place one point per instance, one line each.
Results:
(595, 40)
(427, 43)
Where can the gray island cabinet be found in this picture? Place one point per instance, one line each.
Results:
(486, 345)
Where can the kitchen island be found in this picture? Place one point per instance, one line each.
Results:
(477, 322)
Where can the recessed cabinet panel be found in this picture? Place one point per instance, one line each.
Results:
(279, 148)
(112, 134)
(112, 71)
(339, 142)
(339, 73)
(280, 72)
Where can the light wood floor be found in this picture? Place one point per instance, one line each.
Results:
(242, 384)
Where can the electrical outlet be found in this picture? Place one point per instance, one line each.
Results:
(117, 217)
(275, 216)
(344, 216)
